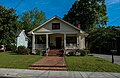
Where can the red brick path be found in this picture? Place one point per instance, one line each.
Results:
(50, 63)
(54, 52)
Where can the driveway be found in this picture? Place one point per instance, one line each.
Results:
(109, 58)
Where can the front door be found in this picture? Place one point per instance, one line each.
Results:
(58, 42)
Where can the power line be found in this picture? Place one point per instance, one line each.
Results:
(115, 20)
(18, 4)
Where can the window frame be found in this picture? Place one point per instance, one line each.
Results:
(55, 26)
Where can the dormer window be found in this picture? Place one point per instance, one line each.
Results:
(55, 26)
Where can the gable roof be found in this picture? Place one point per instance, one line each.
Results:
(23, 31)
(55, 17)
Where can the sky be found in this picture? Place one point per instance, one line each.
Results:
(61, 7)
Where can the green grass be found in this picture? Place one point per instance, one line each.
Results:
(11, 60)
(74, 63)
(90, 63)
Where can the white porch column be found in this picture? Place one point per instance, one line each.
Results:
(47, 41)
(79, 39)
(64, 40)
(33, 41)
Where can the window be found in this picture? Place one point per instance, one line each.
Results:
(55, 26)
(40, 40)
(71, 39)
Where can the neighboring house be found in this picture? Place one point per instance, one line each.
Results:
(22, 39)
(57, 34)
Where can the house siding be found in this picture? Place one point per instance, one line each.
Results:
(21, 40)
(64, 28)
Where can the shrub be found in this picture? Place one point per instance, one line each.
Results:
(38, 51)
(43, 53)
(71, 52)
(28, 50)
(12, 48)
(78, 52)
(23, 50)
(84, 52)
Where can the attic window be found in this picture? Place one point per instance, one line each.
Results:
(55, 26)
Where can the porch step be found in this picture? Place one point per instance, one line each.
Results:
(48, 68)
(46, 65)
(49, 63)
(54, 53)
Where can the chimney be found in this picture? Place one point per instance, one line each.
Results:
(78, 26)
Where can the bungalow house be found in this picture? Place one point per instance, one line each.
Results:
(22, 39)
(57, 34)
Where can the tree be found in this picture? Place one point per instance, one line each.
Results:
(32, 18)
(9, 25)
(88, 13)
(101, 36)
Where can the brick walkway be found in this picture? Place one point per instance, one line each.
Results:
(50, 63)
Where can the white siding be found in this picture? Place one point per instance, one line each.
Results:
(64, 28)
(21, 41)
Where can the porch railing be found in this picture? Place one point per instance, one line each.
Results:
(40, 46)
(71, 46)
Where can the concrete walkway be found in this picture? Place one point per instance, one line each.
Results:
(109, 58)
(25, 73)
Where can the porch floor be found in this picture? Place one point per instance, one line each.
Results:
(50, 63)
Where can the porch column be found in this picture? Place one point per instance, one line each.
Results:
(33, 42)
(64, 40)
(79, 39)
(47, 41)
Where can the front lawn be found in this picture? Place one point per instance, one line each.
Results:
(90, 63)
(10, 60)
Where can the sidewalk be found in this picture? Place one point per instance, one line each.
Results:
(25, 73)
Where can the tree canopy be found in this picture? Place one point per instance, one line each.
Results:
(92, 17)
(101, 36)
(32, 18)
(9, 25)
(88, 13)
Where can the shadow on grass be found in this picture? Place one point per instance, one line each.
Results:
(11, 53)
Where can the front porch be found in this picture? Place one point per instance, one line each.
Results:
(56, 41)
